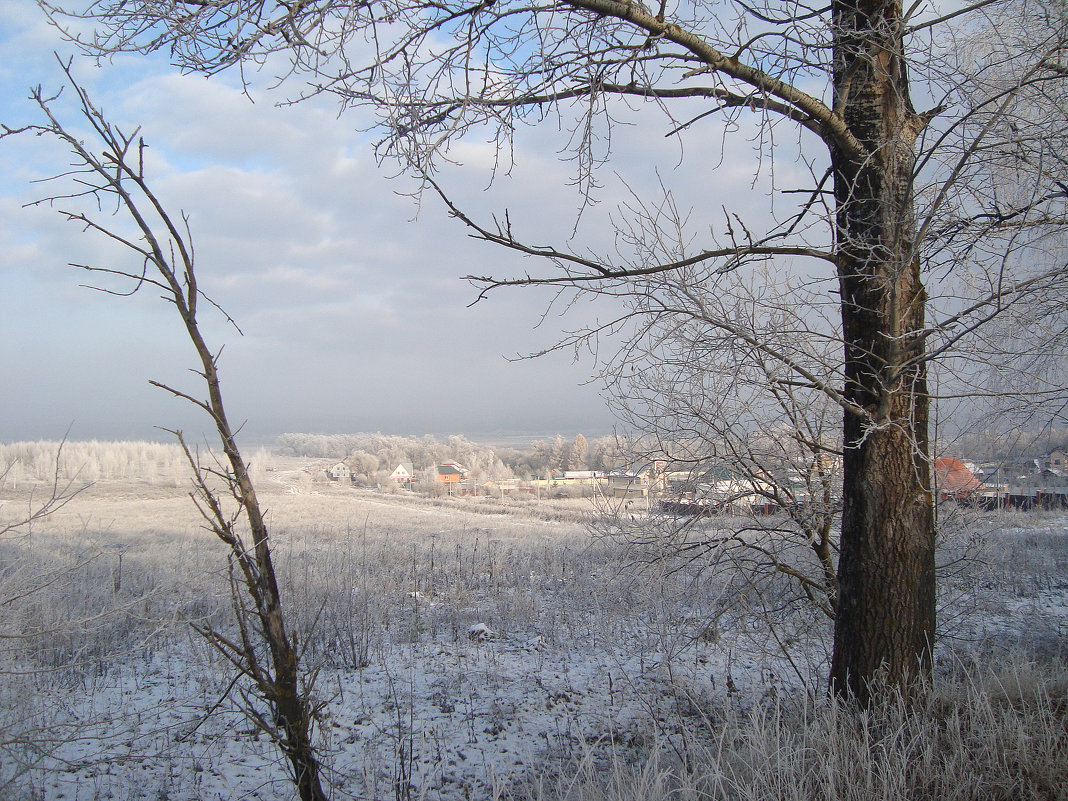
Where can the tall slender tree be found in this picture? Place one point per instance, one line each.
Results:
(108, 172)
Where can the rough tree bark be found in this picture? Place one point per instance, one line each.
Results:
(886, 614)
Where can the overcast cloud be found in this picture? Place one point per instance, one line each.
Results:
(348, 294)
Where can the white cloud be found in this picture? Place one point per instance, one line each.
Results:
(347, 291)
(353, 313)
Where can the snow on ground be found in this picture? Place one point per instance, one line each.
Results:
(447, 719)
(495, 648)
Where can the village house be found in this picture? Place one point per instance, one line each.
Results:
(638, 481)
(340, 472)
(954, 480)
(451, 476)
(447, 474)
(450, 473)
(1027, 482)
(1056, 460)
(404, 474)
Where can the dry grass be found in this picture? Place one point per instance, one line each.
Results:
(980, 735)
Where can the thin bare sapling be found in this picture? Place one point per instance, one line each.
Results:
(109, 177)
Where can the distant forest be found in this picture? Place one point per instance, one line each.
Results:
(989, 445)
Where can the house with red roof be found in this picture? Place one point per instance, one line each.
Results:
(954, 481)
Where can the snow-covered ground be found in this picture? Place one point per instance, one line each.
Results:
(460, 647)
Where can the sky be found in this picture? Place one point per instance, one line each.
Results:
(347, 290)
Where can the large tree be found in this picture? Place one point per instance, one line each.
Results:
(942, 132)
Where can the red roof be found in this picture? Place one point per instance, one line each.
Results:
(952, 477)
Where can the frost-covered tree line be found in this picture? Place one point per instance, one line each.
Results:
(102, 460)
(369, 455)
(94, 460)
(558, 455)
(372, 456)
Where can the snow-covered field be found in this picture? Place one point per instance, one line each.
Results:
(460, 646)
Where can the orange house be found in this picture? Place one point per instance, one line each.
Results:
(448, 474)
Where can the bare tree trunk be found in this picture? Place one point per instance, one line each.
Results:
(885, 623)
(291, 705)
